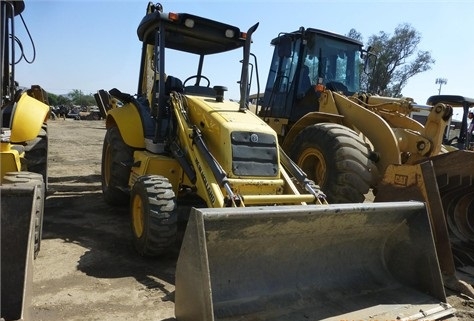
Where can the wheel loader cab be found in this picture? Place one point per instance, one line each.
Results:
(304, 59)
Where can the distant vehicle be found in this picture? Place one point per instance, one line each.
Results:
(73, 114)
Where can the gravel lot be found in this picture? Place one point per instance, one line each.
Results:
(87, 268)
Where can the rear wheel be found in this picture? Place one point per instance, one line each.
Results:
(28, 178)
(336, 159)
(117, 158)
(154, 217)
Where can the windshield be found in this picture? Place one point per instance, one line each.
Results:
(333, 61)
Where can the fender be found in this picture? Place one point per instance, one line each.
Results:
(28, 116)
(308, 120)
(337, 108)
(129, 123)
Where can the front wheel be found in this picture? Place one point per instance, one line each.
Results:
(336, 159)
(154, 218)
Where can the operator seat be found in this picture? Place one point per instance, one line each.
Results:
(173, 84)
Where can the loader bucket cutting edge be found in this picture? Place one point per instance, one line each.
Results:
(329, 262)
(17, 247)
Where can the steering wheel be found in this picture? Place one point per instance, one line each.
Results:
(196, 76)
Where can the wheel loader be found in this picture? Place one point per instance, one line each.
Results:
(260, 241)
(23, 167)
(349, 142)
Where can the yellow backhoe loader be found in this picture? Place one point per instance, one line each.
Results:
(348, 141)
(260, 241)
(23, 166)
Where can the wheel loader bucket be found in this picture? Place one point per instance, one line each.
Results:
(446, 184)
(455, 178)
(17, 247)
(330, 262)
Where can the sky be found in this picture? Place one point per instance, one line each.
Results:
(91, 45)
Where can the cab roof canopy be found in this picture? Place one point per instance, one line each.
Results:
(298, 33)
(190, 33)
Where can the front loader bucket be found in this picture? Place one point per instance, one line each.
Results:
(330, 262)
(17, 247)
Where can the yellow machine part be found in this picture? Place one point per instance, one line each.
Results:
(149, 163)
(445, 184)
(9, 159)
(384, 122)
(129, 122)
(217, 120)
(28, 116)
(455, 180)
(331, 262)
(266, 191)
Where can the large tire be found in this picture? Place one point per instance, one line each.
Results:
(36, 154)
(336, 159)
(29, 178)
(154, 217)
(117, 159)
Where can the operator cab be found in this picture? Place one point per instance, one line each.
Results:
(304, 59)
(188, 34)
(185, 33)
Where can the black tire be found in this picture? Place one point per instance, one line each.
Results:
(117, 159)
(154, 217)
(36, 154)
(336, 159)
(29, 178)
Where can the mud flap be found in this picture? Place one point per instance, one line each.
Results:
(328, 262)
(17, 248)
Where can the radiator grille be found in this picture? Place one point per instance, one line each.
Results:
(254, 154)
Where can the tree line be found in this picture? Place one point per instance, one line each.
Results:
(74, 98)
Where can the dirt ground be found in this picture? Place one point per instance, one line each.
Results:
(87, 268)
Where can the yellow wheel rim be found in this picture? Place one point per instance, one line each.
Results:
(312, 162)
(137, 216)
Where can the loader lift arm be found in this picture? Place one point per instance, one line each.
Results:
(456, 101)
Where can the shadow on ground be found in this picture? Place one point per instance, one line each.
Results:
(76, 212)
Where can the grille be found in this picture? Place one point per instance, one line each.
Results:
(254, 154)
